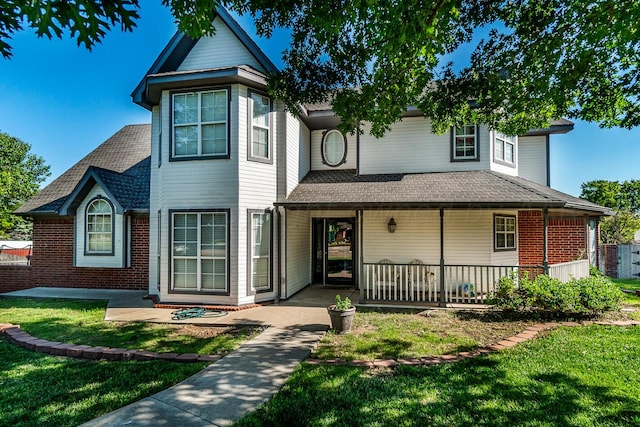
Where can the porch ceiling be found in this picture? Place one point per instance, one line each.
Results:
(471, 190)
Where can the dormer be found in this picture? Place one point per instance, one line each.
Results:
(229, 56)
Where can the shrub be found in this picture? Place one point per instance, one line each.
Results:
(594, 271)
(546, 295)
(598, 294)
(508, 296)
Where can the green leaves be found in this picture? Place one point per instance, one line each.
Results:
(622, 197)
(21, 174)
(548, 296)
(87, 21)
(541, 60)
(371, 59)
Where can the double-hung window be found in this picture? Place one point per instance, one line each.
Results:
(99, 228)
(259, 130)
(200, 124)
(505, 232)
(464, 143)
(260, 246)
(504, 148)
(200, 251)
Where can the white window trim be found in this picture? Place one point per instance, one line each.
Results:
(88, 233)
(199, 125)
(198, 257)
(505, 233)
(476, 137)
(250, 125)
(504, 141)
(251, 289)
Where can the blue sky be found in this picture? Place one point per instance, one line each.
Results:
(65, 101)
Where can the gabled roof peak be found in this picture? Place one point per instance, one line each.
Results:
(180, 45)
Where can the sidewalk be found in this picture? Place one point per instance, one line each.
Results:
(223, 392)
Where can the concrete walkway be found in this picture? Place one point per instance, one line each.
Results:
(222, 393)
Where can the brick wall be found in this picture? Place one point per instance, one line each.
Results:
(530, 244)
(610, 260)
(52, 260)
(566, 238)
(14, 277)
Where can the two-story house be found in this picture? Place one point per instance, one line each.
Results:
(227, 199)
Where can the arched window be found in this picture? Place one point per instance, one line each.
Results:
(334, 148)
(99, 227)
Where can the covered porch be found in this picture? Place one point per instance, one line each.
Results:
(444, 238)
(448, 284)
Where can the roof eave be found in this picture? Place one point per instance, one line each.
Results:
(417, 205)
(82, 188)
(156, 83)
(552, 129)
(179, 47)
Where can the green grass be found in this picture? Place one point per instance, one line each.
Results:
(43, 390)
(81, 322)
(581, 376)
(629, 285)
(396, 335)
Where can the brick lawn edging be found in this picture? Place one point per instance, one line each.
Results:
(527, 334)
(22, 339)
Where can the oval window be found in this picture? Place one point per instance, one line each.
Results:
(334, 148)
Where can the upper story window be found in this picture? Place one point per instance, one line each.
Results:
(259, 127)
(200, 124)
(464, 143)
(334, 148)
(504, 148)
(505, 232)
(99, 237)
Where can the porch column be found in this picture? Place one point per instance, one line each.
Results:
(279, 259)
(360, 253)
(545, 224)
(442, 300)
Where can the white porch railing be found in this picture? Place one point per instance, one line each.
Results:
(564, 271)
(421, 282)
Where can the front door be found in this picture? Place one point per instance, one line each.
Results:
(333, 243)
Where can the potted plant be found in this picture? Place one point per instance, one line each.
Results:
(341, 314)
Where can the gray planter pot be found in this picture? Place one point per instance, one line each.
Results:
(341, 320)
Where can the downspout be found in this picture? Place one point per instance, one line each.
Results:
(443, 299)
(358, 151)
(587, 239)
(545, 246)
(360, 219)
(279, 236)
(548, 161)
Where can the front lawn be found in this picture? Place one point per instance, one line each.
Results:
(629, 285)
(580, 376)
(379, 335)
(81, 322)
(43, 390)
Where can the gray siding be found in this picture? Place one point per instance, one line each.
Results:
(257, 189)
(222, 49)
(532, 158)
(316, 152)
(298, 251)
(411, 147)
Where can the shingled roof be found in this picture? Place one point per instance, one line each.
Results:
(473, 189)
(121, 162)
